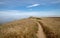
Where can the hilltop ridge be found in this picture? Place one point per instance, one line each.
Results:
(50, 26)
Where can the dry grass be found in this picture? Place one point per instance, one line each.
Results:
(19, 29)
(51, 27)
(28, 28)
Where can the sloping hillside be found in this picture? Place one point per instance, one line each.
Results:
(29, 27)
(51, 27)
(25, 28)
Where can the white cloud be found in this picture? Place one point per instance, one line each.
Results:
(10, 15)
(34, 5)
(16, 3)
(14, 13)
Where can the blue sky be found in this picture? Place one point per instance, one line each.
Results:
(15, 9)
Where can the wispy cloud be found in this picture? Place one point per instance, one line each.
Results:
(12, 4)
(34, 5)
(13, 13)
(9, 15)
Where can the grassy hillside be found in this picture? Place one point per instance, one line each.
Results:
(27, 28)
(51, 27)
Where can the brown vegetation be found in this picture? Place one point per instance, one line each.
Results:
(28, 28)
(19, 29)
(51, 27)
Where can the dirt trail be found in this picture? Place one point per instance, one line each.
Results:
(40, 33)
